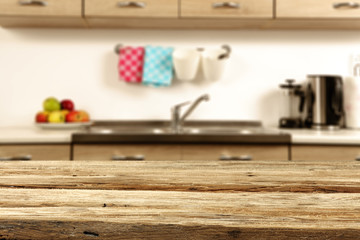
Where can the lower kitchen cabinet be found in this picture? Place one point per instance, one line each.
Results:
(235, 152)
(325, 153)
(35, 152)
(173, 152)
(126, 152)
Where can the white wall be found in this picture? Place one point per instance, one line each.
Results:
(80, 64)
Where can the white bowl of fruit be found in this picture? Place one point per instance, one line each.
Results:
(61, 114)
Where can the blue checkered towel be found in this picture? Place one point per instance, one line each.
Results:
(158, 66)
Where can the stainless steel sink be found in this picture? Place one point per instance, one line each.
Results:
(221, 130)
(192, 132)
(128, 130)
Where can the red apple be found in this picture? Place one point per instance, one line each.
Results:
(84, 116)
(67, 104)
(42, 117)
(73, 116)
(77, 116)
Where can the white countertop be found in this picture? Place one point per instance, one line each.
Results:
(312, 136)
(34, 134)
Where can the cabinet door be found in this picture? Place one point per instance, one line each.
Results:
(37, 152)
(126, 152)
(53, 8)
(210, 152)
(142, 8)
(325, 153)
(227, 9)
(317, 9)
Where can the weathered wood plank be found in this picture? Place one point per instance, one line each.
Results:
(185, 176)
(100, 230)
(240, 210)
(179, 200)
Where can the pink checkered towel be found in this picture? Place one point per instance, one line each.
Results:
(131, 64)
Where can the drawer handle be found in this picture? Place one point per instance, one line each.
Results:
(128, 158)
(226, 5)
(17, 158)
(235, 158)
(33, 3)
(132, 4)
(357, 158)
(346, 5)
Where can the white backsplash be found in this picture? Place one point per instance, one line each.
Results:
(81, 64)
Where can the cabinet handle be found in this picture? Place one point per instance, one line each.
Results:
(132, 4)
(346, 5)
(17, 158)
(128, 158)
(33, 3)
(226, 4)
(235, 158)
(357, 158)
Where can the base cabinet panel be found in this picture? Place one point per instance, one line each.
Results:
(234, 152)
(37, 152)
(325, 153)
(126, 152)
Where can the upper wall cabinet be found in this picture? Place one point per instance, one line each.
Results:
(140, 14)
(138, 9)
(177, 13)
(186, 14)
(236, 9)
(34, 13)
(318, 9)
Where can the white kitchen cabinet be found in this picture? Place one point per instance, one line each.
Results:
(41, 13)
(36, 151)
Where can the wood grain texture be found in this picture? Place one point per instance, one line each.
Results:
(103, 230)
(325, 153)
(153, 9)
(313, 9)
(244, 210)
(55, 8)
(222, 23)
(41, 22)
(247, 9)
(37, 151)
(208, 152)
(190, 176)
(103, 152)
(179, 200)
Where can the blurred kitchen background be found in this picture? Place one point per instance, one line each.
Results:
(81, 64)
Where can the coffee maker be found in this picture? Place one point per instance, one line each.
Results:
(324, 102)
(292, 105)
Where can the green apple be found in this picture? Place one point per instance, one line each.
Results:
(56, 117)
(51, 104)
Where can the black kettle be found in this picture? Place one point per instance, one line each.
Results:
(324, 102)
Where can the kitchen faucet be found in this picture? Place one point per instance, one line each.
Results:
(176, 120)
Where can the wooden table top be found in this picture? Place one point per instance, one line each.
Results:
(179, 200)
